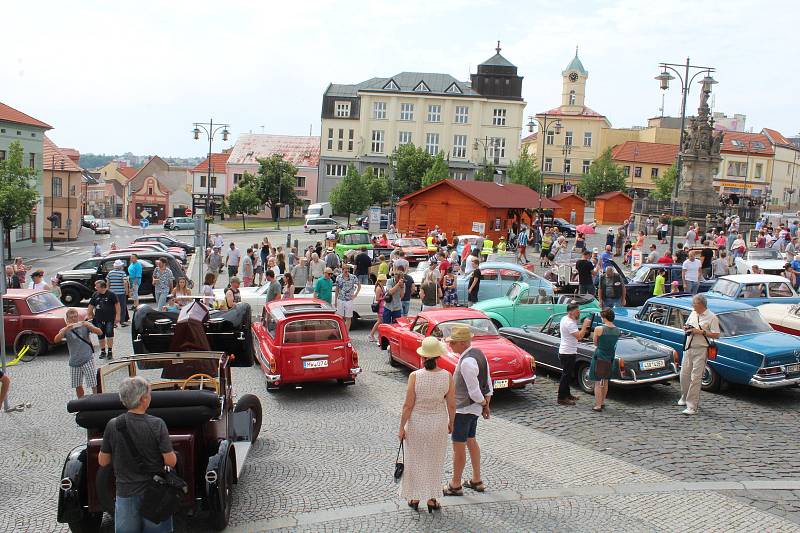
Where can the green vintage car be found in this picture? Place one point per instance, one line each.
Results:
(352, 239)
(519, 308)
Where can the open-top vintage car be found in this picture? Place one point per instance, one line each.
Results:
(211, 432)
(303, 340)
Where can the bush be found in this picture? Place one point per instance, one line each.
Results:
(679, 222)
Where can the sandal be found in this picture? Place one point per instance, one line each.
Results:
(448, 490)
(435, 507)
(479, 486)
(597, 409)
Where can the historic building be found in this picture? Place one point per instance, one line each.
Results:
(472, 123)
(746, 166)
(785, 177)
(171, 197)
(106, 197)
(202, 184)
(61, 187)
(643, 162)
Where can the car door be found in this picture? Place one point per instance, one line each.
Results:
(543, 345)
(529, 310)
(490, 284)
(673, 333)
(411, 340)
(11, 320)
(779, 292)
(650, 321)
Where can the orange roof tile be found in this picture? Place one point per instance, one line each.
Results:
(9, 114)
(53, 156)
(776, 138)
(644, 152)
(740, 142)
(128, 172)
(218, 162)
(562, 195)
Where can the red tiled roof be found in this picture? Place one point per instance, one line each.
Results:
(53, 154)
(493, 195)
(217, 164)
(9, 114)
(776, 138)
(128, 172)
(300, 150)
(529, 139)
(563, 195)
(746, 143)
(607, 195)
(584, 112)
(644, 152)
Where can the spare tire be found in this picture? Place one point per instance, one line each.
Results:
(251, 402)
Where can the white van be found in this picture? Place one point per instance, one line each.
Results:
(321, 210)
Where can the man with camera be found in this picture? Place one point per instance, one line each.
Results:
(701, 326)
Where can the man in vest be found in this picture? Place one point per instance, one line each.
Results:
(473, 390)
(501, 246)
(488, 247)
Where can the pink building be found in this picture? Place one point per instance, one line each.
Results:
(301, 151)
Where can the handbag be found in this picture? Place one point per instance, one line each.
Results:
(399, 465)
(164, 491)
(711, 351)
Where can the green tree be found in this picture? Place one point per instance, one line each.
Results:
(350, 195)
(274, 183)
(18, 194)
(524, 171)
(604, 176)
(377, 187)
(410, 165)
(243, 200)
(486, 173)
(665, 184)
(438, 171)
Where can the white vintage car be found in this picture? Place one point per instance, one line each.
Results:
(782, 317)
(769, 260)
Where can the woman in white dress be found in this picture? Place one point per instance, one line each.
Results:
(427, 418)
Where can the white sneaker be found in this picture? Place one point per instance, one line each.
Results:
(689, 411)
(681, 402)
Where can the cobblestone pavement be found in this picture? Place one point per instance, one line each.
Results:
(325, 458)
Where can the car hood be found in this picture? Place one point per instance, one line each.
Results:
(493, 304)
(415, 250)
(777, 348)
(504, 357)
(639, 349)
(81, 273)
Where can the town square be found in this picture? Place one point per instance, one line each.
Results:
(386, 267)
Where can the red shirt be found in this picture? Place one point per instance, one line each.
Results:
(665, 260)
(444, 264)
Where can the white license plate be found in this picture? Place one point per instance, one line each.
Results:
(500, 384)
(791, 369)
(319, 363)
(652, 365)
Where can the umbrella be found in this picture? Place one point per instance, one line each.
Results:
(586, 229)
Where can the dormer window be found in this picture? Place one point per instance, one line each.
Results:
(391, 86)
(454, 89)
(572, 98)
(343, 109)
(422, 88)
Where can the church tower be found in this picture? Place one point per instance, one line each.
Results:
(573, 93)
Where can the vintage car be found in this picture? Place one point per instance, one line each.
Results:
(769, 260)
(303, 340)
(782, 317)
(87, 221)
(509, 366)
(136, 249)
(754, 289)
(564, 228)
(414, 249)
(352, 239)
(497, 278)
(462, 239)
(211, 431)
(520, 307)
(33, 317)
(101, 226)
(637, 361)
(166, 240)
(749, 351)
(155, 246)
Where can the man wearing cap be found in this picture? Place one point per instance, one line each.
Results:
(473, 389)
(118, 284)
(347, 288)
(323, 287)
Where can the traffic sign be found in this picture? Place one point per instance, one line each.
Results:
(188, 212)
(144, 223)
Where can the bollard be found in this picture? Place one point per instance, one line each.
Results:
(288, 240)
(296, 244)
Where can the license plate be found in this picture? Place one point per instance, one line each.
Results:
(500, 384)
(319, 363)
(791, 369)
(652, 365)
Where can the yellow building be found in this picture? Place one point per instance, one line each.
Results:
(746, 166)
(643, 162)
(61, 182)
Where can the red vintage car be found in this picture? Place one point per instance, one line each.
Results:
(303, 340)
(414, 248)
(509, 366)
(33, 317)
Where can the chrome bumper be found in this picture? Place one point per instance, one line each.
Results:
(636, 381)
(522, 381)
(761, 383)
(272, 378)
(356, 370)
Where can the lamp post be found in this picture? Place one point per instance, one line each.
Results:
(633, 170)
(545, 122)
(686, 82)
(791, 184)
(486, 142)
(210, 129)
(565, 151)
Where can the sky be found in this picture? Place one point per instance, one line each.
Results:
(133, 76)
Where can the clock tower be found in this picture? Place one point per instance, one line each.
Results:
(573, 93)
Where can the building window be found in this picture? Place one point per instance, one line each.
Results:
(405, 137)
(406, 111)
(213, 182)
(379, 171)
(499, 117)
(432, 143)
(453, 89)
(391, 86)
(654, 172)
(340, 144)
(72, 191)
(759, 167)
(350, 140)
(337, 171)
(550, 138)
(548, 164)
(460, 146)
(422, 87)
(330, 138)
(377, 141)
(572, 98)
(202, 181)
(150, 191)
(587, 139)
(585, 167)
(434, 113)
(462, 114)
(459, 175)
(379, 110)
(637, 172)
(567, 166)
(626, 171)
(737, 169)
(343, 109)
(568, 138)
(500, 150)
(238, 177)
(32, 161)
(300, 182)
(2, 155)
(56, 187)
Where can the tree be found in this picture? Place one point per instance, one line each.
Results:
(524, 171)
(438, 171)
(410, 164)
(665, 184)
(243, 200)
(377, 187)
(486, 173)
(18, 194)
(604, 176)
(350, 195)
(274, 183)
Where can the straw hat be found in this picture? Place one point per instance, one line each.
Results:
(381, 277)
(459, 332)
(431, 347)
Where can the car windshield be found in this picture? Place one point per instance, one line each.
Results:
(410, 242)
(88, 218)
(742, 322)
(514, 291)
(162, 373)
(354, 238)
(725, 287)
(45, 301)
(480, 327)
(561, 221)
(641, 273)
(763, 253)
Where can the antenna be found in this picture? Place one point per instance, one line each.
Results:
(661, 109)
(309, 129)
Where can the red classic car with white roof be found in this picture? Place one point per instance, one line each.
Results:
(33, 317)
(303, 340)
(509, 365)
(414, 248)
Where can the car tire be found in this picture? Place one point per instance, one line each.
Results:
(88, 523)
(219, 520)
(70, 297)
(711, 381)
(251, 402)
(392, 361)
(312, 232)
(37, 343)
(585, 384)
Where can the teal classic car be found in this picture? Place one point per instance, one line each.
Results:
(521, 308)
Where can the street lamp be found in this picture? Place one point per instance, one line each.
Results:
(544, 123)
(486, 142)
(664, 78)
(210, 130)
(565, 151)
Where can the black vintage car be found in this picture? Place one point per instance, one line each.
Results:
(638, 361)
(167, 241)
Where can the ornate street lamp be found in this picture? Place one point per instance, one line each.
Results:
(210, 130)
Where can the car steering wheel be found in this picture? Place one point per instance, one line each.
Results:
(202, 380)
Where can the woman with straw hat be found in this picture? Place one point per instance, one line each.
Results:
(379, 293)
(427, 418)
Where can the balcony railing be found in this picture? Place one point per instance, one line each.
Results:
(649, 206)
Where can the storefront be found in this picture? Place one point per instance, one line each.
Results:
(151, 200)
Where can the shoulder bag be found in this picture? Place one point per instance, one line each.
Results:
(711, 350)
(87, 341)
(375, 304)
(164, 491)
(399, 465)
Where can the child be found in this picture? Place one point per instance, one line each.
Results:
(674, 288)
(81, 351)
(171, 305)
(661, 277)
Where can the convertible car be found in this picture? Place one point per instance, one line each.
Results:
(519, 307)
(754, 289)
(749, 351)
(509, 366)
(497, 278)
(638, 361)
(211, 432)
(769, 260)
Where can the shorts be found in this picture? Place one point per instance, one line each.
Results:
(135, 283)
(344, 308)
(106, 329)
(86, 373)
(390, 316)
(464, 427)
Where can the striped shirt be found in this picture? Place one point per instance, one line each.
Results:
(116, 281)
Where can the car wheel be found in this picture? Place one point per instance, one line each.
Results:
(251, 402)
(37, 343)
(312, 231)
(220, 519)
(70, 297)
(88, 523)
(392, 360)
(586, 384)
(711, 380)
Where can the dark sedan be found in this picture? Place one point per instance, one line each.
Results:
(638, 361)
(564, 227)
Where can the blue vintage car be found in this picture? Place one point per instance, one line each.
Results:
(497, 277)
(750, 352)
(754, 289)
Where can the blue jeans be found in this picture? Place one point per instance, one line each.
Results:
(363, 279)
(389, 316)
(128, 520)
(692, 286)
(406, 306)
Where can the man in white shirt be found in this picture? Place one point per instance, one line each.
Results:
(568, 350)
(218, 242)
(690, 272)
(701, 326)
(232, 260)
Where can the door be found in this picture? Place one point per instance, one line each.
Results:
(490, 284)
(411, 340)
(11, 320)
(313, 350)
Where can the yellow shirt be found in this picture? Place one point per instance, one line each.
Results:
(501, 246)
